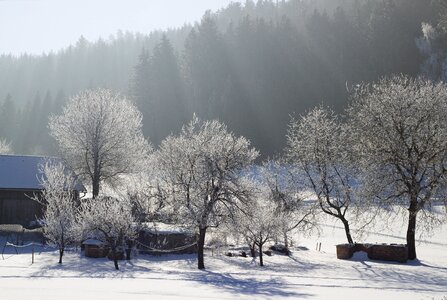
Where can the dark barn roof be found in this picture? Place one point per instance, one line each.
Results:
(19, 172)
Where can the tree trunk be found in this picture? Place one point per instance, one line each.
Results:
(252, 250)
(129, 249)
(261, 261)
(347, 231)
(411, 231)
(95, 183)
(286, 240)
(61, 253)
(96, 176)
(200, 246)
(115, 258)
(115, 261)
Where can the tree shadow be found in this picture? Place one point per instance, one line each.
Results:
(251, 286)
(87, 267)
(103, 268)
(424, 278)
(397, 237)
(418, 263)
(293, 263)
(189, 258)
(363, 258)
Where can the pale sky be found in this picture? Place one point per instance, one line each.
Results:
(36, 26)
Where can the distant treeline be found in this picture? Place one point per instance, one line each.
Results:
(250, 65)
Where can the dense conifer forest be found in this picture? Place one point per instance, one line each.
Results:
(250, 65)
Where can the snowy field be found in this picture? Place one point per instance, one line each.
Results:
(307, 274)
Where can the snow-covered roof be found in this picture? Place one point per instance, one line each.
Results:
(22, 172)
(92, 242)
(164, 228)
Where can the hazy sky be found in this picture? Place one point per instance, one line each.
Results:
(36, 26)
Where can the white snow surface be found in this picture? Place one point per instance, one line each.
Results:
(307, 274)
(163, 228)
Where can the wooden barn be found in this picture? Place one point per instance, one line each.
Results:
(19, 181)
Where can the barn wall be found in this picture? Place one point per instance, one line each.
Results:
(17, 208)
(166, 241)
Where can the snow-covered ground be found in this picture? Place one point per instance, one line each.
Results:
(308, 274)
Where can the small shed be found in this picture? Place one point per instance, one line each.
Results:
(19, 182)
(94, 248)
(158, 238)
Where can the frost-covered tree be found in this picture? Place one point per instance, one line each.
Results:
(201, 168)
(58, 197)
(317, 144)
(281, 188)
(272, 212)
(99, 134)
(400, 130)
(109, 220)
(5, 147)
(146, 194)
(259, 224)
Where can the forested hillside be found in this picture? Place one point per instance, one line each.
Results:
(250, 65)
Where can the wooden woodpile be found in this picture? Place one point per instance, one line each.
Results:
(345, 251)
(387, 252)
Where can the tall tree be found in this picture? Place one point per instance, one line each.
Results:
(201, 168)
(158, 90)
(206, 68)
(140, 88)
(400, 130)
(8, 121)
(317, 145)
(99, 134)
(166, 91)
